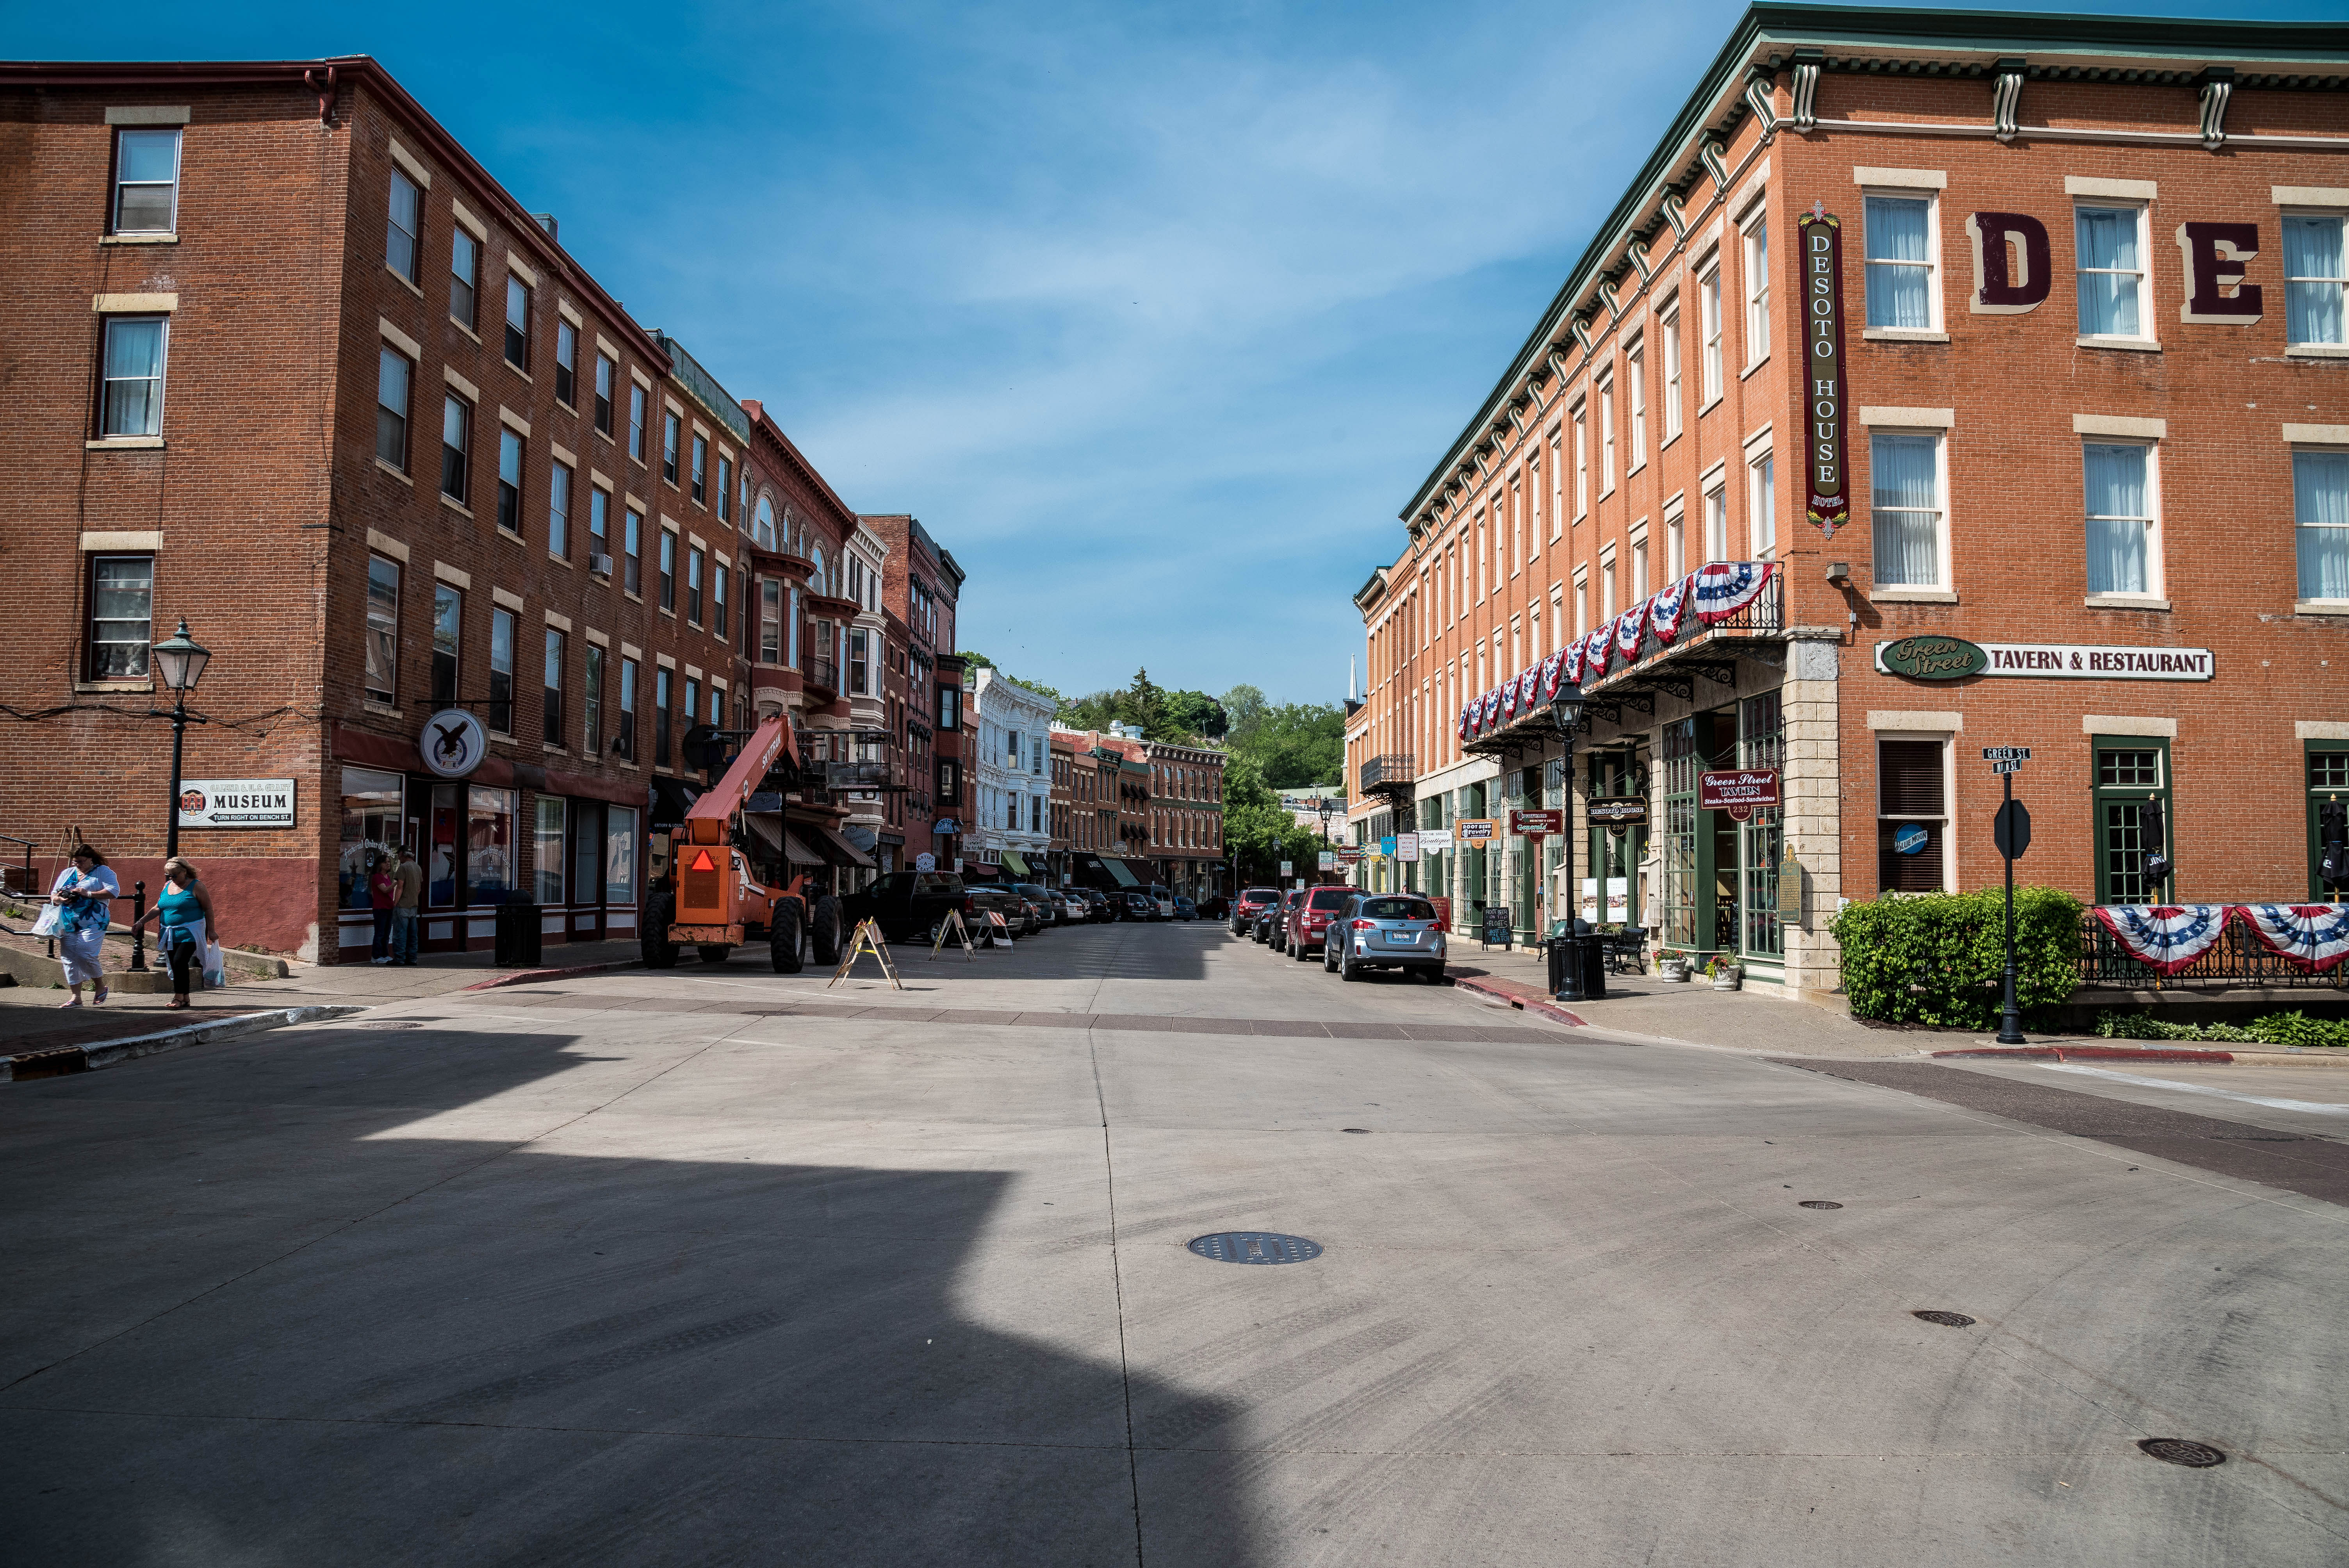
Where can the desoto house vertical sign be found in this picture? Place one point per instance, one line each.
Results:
(1822, 254)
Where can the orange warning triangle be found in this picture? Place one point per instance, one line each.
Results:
(702, 863)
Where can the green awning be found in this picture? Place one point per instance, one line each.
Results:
(1116, 868)
(1019, 867)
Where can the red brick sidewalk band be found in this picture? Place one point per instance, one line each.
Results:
(1518, 995)
(533, 977)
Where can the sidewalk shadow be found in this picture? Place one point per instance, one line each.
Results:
(522, 1357)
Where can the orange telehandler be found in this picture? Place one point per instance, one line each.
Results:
(711, 902)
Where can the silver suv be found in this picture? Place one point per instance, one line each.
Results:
(1385, 930)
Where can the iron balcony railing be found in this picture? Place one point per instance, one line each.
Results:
(1388, 767)
(1765, 614)
(2237, 958)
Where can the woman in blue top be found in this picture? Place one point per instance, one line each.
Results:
(185, 912)
(82, 892)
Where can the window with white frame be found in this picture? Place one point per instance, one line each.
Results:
(1676, 545)
(146, 181)
(1669, 327)
(1582, 607)
(2124, 538)
(2319, 514)
(1516, 526)
(403, 234)
(1556, 619)
(1905, 508)
(1533, 504)
(2315, 278)
(1581, 461)
(1757, 290)
(133, 402)
(1761, 505)
(1708, 292)
(1902, 290)
(1607, 588)
(1639, 570)
(1483, 569)
(1635, 377)
(1716, 523)
(1556, 485)
(2112, 254)
(1607, 435)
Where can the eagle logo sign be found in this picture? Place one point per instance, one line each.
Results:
(452, 743)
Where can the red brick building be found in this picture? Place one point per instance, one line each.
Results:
(921, 585)
(287, 363)
(2045, 316)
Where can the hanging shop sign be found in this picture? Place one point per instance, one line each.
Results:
(1536, 823)
(1821, 235)
(1737, 791)
(1618, 811)
(1474, 830)
(1329, 860)
(452, 743)
(1938, 658)
(1406, 846)
(1350, 853)
(236, 803)
(1435, 841)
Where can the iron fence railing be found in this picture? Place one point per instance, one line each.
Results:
(2237, 958)
(1390, 767)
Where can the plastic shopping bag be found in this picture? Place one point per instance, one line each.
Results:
(51, 922)
(215, 967)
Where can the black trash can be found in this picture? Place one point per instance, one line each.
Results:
(1583, 947)
(517, 938)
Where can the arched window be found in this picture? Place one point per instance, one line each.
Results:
(766, 522)
(817, 583)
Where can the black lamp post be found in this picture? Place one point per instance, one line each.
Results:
(1565, 712)
(181, 659)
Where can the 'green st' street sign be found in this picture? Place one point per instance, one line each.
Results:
(1933, 658)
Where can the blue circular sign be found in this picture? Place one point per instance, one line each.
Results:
(1909, 840)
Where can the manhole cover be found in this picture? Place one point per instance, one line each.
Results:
(1255, 1247)
(1946, 1319)
(392, 1025)
(1353, 1129)
(2180, 1451)
(1819, 1203)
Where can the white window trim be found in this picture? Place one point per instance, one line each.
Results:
(1941, 729)
(1712, 336)
(2310, 201)
(1672, 345)
(2154, 595)
(1938, 331)
(1603, 390)
(2098, 201)
(2312, 439)
(1756, 454)
(1635, 406)
(1945, 592)
(1751, 281)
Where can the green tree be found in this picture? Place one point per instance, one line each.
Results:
(1093, 711)
(981, 662)
(1193, 715)
(1145, 705)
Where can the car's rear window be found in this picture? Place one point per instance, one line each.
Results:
(936, 881)
(1397, 909)
(1260, 895)
(1330, 898)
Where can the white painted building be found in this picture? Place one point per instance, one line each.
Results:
(1011, 800)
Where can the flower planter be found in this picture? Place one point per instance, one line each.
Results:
(1672, 971)
(1729, 979)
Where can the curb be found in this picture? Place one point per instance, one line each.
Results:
(2151, 1054)
(58, 1061)
(1550, 1010)
(532, 977)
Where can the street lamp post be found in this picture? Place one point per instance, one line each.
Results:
(181, 659)
(1564, 712)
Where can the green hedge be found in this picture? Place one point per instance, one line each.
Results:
(2276, 1029)
(1939, 958)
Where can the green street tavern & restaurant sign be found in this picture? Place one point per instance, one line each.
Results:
(1939, 658)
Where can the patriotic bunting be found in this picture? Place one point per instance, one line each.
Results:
(1572, 669)
(1552, 669)
(2312, 937)
(1596, 649)
(2165, 937)
(1629, 626)
(1669, 609)
(1465, 715)
(1726, 587)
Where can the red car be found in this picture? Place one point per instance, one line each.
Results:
(1308, 923)
(1250, 905)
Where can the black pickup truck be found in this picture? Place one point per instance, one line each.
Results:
(909, 904)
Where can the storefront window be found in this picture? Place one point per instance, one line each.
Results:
(2132, 819)
(546, 851)
(371, 826)
(1761, 743)
(1911, 810)
(441, 859)
(620, 855)
(1680, 845)
(586, 851)
(489, 847)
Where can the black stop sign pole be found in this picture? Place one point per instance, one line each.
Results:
(2010, 1022)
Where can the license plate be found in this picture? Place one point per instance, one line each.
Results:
(1402, 937)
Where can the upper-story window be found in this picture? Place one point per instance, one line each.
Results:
(636, 395)
(1635, 384)
(517, 324)
(509, 479)
(2316, 278)
(383, 630)
(1902, 291)
(1708, 292)
(671, 427)
(1757, 290)
(725, 488)
(1905, 510)
(694, 566)
(2320, 509)
(146, 181)
(1669, 327)
(2111, 242)
(1607, 435)
(122, 609)
(1581, 461)
(133, 403)
(464, 277)
(701, 469)
(605, 373)
(1762, 504)
(403, 235)
(394, 375)
(2123, 540)
(763, 523)
(456, 449)
(566, 362)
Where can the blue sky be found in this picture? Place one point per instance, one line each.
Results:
(1155, 314)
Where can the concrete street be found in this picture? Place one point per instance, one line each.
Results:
(720, 1266)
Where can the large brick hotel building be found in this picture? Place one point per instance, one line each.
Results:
(284, 361)
(1989, 375)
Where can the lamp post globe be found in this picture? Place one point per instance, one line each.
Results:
(1566, 713)
(180, 659)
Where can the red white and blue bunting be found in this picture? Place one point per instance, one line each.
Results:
(1726, 587)
(1551, 668)
(1630, 627)
(2312, 937)
(2165, 937)
(1669, 609)
(1596, 649)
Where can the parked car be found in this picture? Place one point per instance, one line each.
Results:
(1310, 922)
(1252, 902)
(1283, 919)
(907, 905)
(1267, 921)
(1385, 930)
(994, 898)
(1048, 908)
(1216, 908)
(1139, 905)
(1098, 908)
(1162, 899)
(1074, 908)
(1185, 909)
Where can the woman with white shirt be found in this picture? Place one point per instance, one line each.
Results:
(83, 891)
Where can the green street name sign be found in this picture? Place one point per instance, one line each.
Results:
(1932, 658)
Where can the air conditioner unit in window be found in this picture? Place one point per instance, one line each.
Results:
(601, 565)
